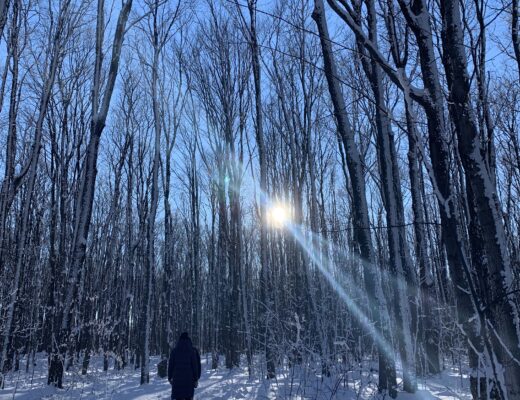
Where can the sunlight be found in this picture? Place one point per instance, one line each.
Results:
(325, 267)
(311, 244)
(278, 215)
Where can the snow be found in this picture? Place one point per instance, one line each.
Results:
(221, 384)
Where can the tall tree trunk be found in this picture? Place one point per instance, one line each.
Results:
(10, 182)
(4, 8)
(146, 316)
(387, 375)
(403, 276)
(55, 44)
(515, 27)
(428, 322)
(416, 13)
(502, 316)
(85, 196)
(265, 289)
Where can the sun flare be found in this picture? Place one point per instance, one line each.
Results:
(278, 215)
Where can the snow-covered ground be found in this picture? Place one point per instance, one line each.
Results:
(219, 384)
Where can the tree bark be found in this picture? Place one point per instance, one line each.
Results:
(403, 276)
(265, 289)
(515, 27)
(502, 314)
(55, 44)
(387, 375)
(85, 196)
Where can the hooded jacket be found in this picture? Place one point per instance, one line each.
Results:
(184, 368)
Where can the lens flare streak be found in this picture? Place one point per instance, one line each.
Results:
(324, 267)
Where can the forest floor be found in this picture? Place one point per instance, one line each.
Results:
(221, 384)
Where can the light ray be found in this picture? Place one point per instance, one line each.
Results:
(323, 266)
(386, 276)
(280, 216)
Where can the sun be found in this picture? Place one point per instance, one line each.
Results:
(278, 215)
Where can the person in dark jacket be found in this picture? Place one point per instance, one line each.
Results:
(184, 369)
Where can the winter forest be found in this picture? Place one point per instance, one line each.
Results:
(323, 193)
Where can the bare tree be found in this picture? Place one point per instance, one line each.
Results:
(58, 36)
(387, 375)
(84, 202)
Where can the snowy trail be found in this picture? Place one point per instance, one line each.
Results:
(218, 385)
